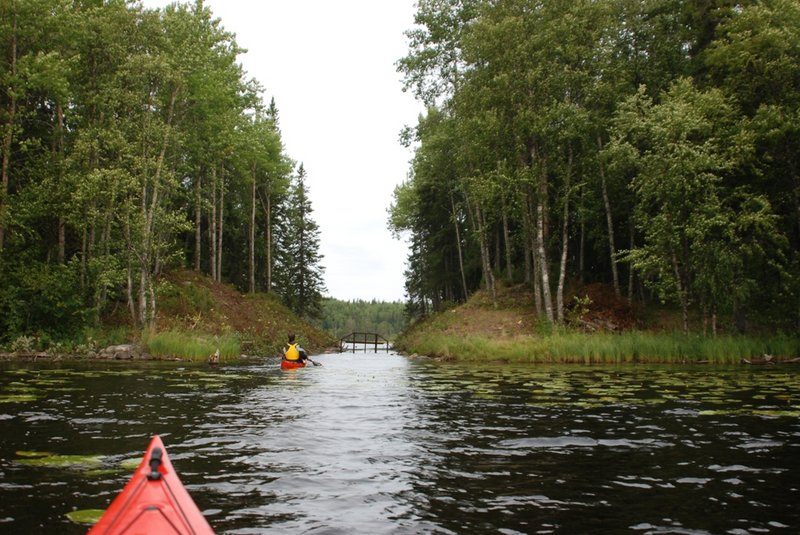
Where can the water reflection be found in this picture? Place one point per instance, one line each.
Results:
(380, 444)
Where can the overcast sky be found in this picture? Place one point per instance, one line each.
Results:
(330, 65)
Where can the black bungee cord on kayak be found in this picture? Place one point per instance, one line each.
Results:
(155, 462)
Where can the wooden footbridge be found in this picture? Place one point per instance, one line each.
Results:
(358, 341)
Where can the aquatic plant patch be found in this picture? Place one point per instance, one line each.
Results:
(85, 516)
(17, 398)
(764, 392)
(62, 461)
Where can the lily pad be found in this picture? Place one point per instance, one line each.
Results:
(33, 454)
(63, 461)
(86, 516)
(130, 465)
(777, 413)
(18, 386)
(17, 398)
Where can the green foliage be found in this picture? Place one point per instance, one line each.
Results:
(127, 134)
(299, 270)
(575, 130)
(38, 298)
(579, 308)
(186, 299)
(340, 318)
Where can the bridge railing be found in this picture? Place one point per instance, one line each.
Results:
(354, 340)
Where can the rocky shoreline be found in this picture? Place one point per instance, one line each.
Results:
(116, 352)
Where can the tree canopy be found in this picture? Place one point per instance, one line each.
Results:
(651, 145)
(132, 142)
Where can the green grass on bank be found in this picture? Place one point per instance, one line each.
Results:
(175, 344)
(578, 347)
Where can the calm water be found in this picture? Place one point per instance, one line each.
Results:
(382, 444)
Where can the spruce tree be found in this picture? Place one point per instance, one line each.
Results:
(300, 273)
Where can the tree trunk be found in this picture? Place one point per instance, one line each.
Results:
(564, 240)
(268, 230)
(458, 247)
(8, 135)
(498, 239)
(267, 207)
(92, 237)
(301, 252)
(212, 226)
(714, 319)
(530, 223)
(105, 245)
(131, 305)
(684, 298)
(152, 293)
(485, 259)
(221, 223)
(631, 271)
(198, 219)
(84, 246)
(60, 170)
(541, 233)
(148, 258)
(506, 238)
(609, 224)
(526, 250)
(582, 242)
(142, 297)
(252, 240)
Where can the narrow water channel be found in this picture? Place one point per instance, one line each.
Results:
(378, 443)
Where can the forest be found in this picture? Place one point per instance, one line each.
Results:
(651, 145)
(133, 142)
(340, 318)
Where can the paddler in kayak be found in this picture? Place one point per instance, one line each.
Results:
(294, 353)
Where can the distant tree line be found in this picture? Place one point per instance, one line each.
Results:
(653, 145)
(341, 318)
(132, 142)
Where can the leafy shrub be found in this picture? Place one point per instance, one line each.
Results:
(23, 344)
(185, 299)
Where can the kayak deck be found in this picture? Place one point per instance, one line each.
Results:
(153, 501)
(290, 364)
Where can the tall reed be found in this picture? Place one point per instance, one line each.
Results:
(631, 347)
(190, 346)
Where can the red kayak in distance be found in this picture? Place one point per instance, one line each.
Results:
(153, 502)
(292, 364)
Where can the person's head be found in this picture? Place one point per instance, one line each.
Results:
(291, 338)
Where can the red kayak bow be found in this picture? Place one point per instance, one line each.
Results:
(290, 364)
(153, 502)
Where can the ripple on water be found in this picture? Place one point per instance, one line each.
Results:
(648, 529)
(570, 441)
(380, 444)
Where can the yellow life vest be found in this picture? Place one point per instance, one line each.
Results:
(292, 353)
